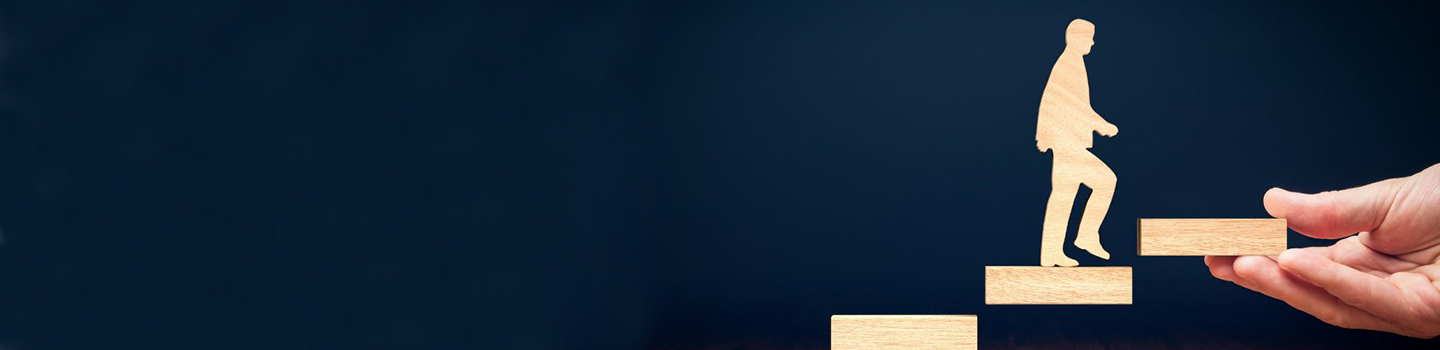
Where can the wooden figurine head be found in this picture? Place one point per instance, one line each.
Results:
(1080, 36)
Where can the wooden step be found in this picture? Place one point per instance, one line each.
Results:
(903, 332)
(1026, 285)
(1193, 237)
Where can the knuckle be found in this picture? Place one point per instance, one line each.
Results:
(1330, 214)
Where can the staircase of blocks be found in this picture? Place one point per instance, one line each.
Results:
(1037, 285)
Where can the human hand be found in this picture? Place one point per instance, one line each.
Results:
(1108, 130)
(1387, 278)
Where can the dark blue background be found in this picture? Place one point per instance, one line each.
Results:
(588, 175)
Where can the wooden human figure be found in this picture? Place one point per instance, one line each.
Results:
(1065, 125)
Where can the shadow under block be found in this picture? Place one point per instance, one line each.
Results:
(1193, 237)
(1034, 285)
(900, 332)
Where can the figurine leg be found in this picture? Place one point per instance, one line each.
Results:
(1101, 181)
(1057, 217)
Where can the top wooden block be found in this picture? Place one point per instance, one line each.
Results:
(1194, 237)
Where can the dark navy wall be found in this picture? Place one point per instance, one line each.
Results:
(509, 175)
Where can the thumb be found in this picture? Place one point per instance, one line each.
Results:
(1334, 214)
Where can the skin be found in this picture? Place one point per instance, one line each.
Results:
(1385, 278)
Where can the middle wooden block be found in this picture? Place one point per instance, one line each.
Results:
(1020, 285)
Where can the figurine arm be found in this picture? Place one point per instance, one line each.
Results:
(1101, 126)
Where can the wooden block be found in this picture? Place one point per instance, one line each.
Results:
(1017, 285)
(1188, 237)
(898, 332)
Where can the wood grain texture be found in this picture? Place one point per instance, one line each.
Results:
(1191, 237)
(1019, 285)
(1066, 127)
(903, 332)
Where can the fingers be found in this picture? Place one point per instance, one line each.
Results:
(1361, 290)
(1335, 214)
(1264, 275)
(1221, 267)
(1355, 254)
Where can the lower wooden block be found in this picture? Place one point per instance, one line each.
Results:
(1190, 237)
(1019, 285)
(904, 332)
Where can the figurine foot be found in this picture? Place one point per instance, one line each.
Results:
(1061, 261)
(1094, 248)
